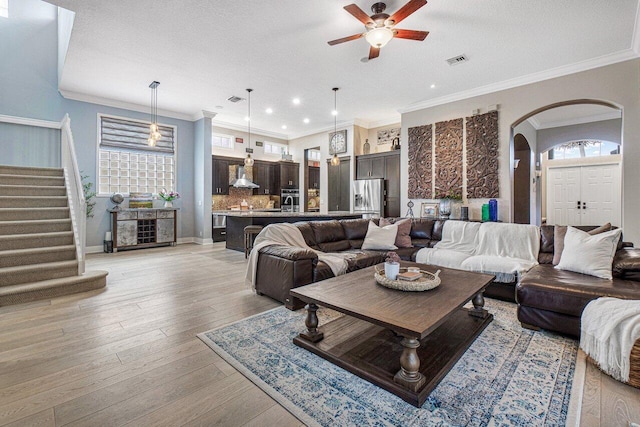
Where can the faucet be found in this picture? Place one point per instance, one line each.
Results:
(289, 198)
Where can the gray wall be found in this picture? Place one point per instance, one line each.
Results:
(28, 88)
(618, 84)
(22, 145)
(605, 130)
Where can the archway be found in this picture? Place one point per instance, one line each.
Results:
(523, 157)
(546, 127)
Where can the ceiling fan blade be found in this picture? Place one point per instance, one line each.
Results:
(374, 52)
(406, 10)
(411, 34)
(359, 14)
(345, 39)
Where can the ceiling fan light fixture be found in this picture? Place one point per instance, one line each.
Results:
(379, 37)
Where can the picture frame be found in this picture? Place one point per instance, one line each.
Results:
(338, 142)
(429, 210)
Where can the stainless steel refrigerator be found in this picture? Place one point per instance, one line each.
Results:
(368, 196)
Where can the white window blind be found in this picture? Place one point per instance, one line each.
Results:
(129, 134)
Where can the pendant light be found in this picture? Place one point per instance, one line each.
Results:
(335, 160)
(248, 161)
(154, 130)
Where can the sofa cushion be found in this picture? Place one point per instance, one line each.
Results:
(438, 225)
(584, 253)
(546, 238)
(505, 269)
(422, 243)
(559, 233)
(626, 264)
(380, 238)
(330, 236)
(407, 254)
(421, 229)
(547, 288)
(362, 260)
(355, 229)
(307, 234)
(403, 238)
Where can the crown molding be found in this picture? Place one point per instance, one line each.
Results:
(534, 122)
(635, 41)
(207, 114)
(601, 61)
(340, 125)
(257, 131)
(396, 120)
(30, 122)
(580, 120)
(75, 96)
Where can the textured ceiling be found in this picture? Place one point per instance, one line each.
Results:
(203, 51)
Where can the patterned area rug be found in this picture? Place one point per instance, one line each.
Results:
(509, 376)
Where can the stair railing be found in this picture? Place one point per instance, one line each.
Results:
(73, 182)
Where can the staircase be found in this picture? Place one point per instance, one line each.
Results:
(38, 254)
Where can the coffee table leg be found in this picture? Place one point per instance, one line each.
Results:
(311, 323)
(409, 374)
(478, 306)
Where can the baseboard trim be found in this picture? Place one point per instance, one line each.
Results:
(180, 241)
(204, 242)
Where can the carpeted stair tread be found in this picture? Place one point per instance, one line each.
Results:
(31, 170)
(32, 190)
(7, 179)
(32, 291)
(33, 201)
(37, 272)
(14, 214)
(16, 257)
(24, 241)
(33, 226)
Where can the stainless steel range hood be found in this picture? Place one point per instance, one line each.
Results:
(241, 181)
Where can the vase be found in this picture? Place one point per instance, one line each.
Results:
(445, 208)
(168, 204)
(391, 270)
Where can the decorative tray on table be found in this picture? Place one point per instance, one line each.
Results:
(427, 282)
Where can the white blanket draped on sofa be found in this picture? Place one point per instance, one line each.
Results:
(285, 234)
(504, 250)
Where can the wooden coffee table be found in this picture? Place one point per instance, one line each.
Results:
(404, 342)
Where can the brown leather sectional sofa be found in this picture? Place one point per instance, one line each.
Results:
(547, 298)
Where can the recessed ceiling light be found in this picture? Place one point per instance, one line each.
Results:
(296, 101)
(246, 118)
(269, 110)
(284, 126)
(306, 120)
(334, 113)
(433, 86)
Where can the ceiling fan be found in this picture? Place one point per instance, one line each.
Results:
(380, 27)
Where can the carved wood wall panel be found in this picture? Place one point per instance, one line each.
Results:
(482, 156)
(448, 159)
(420, 162)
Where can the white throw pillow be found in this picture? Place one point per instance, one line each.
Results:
(380, 238)
(587, 254)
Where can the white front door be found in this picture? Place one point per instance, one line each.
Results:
(584, 195)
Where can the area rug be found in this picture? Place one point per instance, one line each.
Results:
(509, 376)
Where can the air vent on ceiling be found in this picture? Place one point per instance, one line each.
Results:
(457, 59)
(234, 98)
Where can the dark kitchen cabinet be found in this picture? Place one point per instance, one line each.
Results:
(220, 175)
(370, 167)
(314, 177)
(289, 175)
(262, 176)
(340, 186)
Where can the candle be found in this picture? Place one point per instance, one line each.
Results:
(107, 236)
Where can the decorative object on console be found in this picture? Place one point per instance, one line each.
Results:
(154, 130)
(493, 210)
(140, 200)
(464, 213)
(410, 206)
(380, 27)
(586, 254)
(380, 238)
(420, 162)
(366, 148)
(448, 155)
(168, 197)
(482, 156)
(429, 210)
(116, 199)
(395, 144)
(248, 161)
(485, 212)
(386, 136)
(448, 203)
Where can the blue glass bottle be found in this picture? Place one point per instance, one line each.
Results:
(493, 210)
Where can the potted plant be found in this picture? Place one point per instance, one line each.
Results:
(392, 265)
(168, 197)
(447, 202)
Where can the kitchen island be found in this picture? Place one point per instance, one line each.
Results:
(238, 220)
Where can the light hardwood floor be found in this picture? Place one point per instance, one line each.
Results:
(128, 355)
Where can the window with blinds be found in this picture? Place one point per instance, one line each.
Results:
(126, 163)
